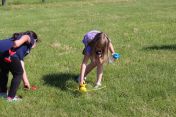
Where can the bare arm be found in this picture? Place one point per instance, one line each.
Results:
(111, 48)
(99, 73)
(25, 78)
(23, 39)
(83, 68)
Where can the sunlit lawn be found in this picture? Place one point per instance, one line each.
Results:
(141, 84)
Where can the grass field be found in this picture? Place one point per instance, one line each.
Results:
(141, 84)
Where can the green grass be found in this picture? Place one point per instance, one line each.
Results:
(141, 84)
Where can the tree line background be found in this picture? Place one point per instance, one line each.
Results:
(4, 2)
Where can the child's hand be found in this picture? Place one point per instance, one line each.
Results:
(116, 55)
(27, 86)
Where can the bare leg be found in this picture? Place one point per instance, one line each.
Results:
(89, 68)
(99, 73)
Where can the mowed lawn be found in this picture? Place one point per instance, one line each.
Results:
(142, 83)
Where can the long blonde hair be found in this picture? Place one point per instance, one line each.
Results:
(100, 45)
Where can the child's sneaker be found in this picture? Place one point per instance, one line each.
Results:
(97, 85)
(16, 98)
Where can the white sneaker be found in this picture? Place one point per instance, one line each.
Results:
(16, 98)
(97, 85)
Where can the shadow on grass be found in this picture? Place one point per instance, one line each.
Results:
(161, 47)
(59, 80)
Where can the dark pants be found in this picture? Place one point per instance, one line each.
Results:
(16, 69)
